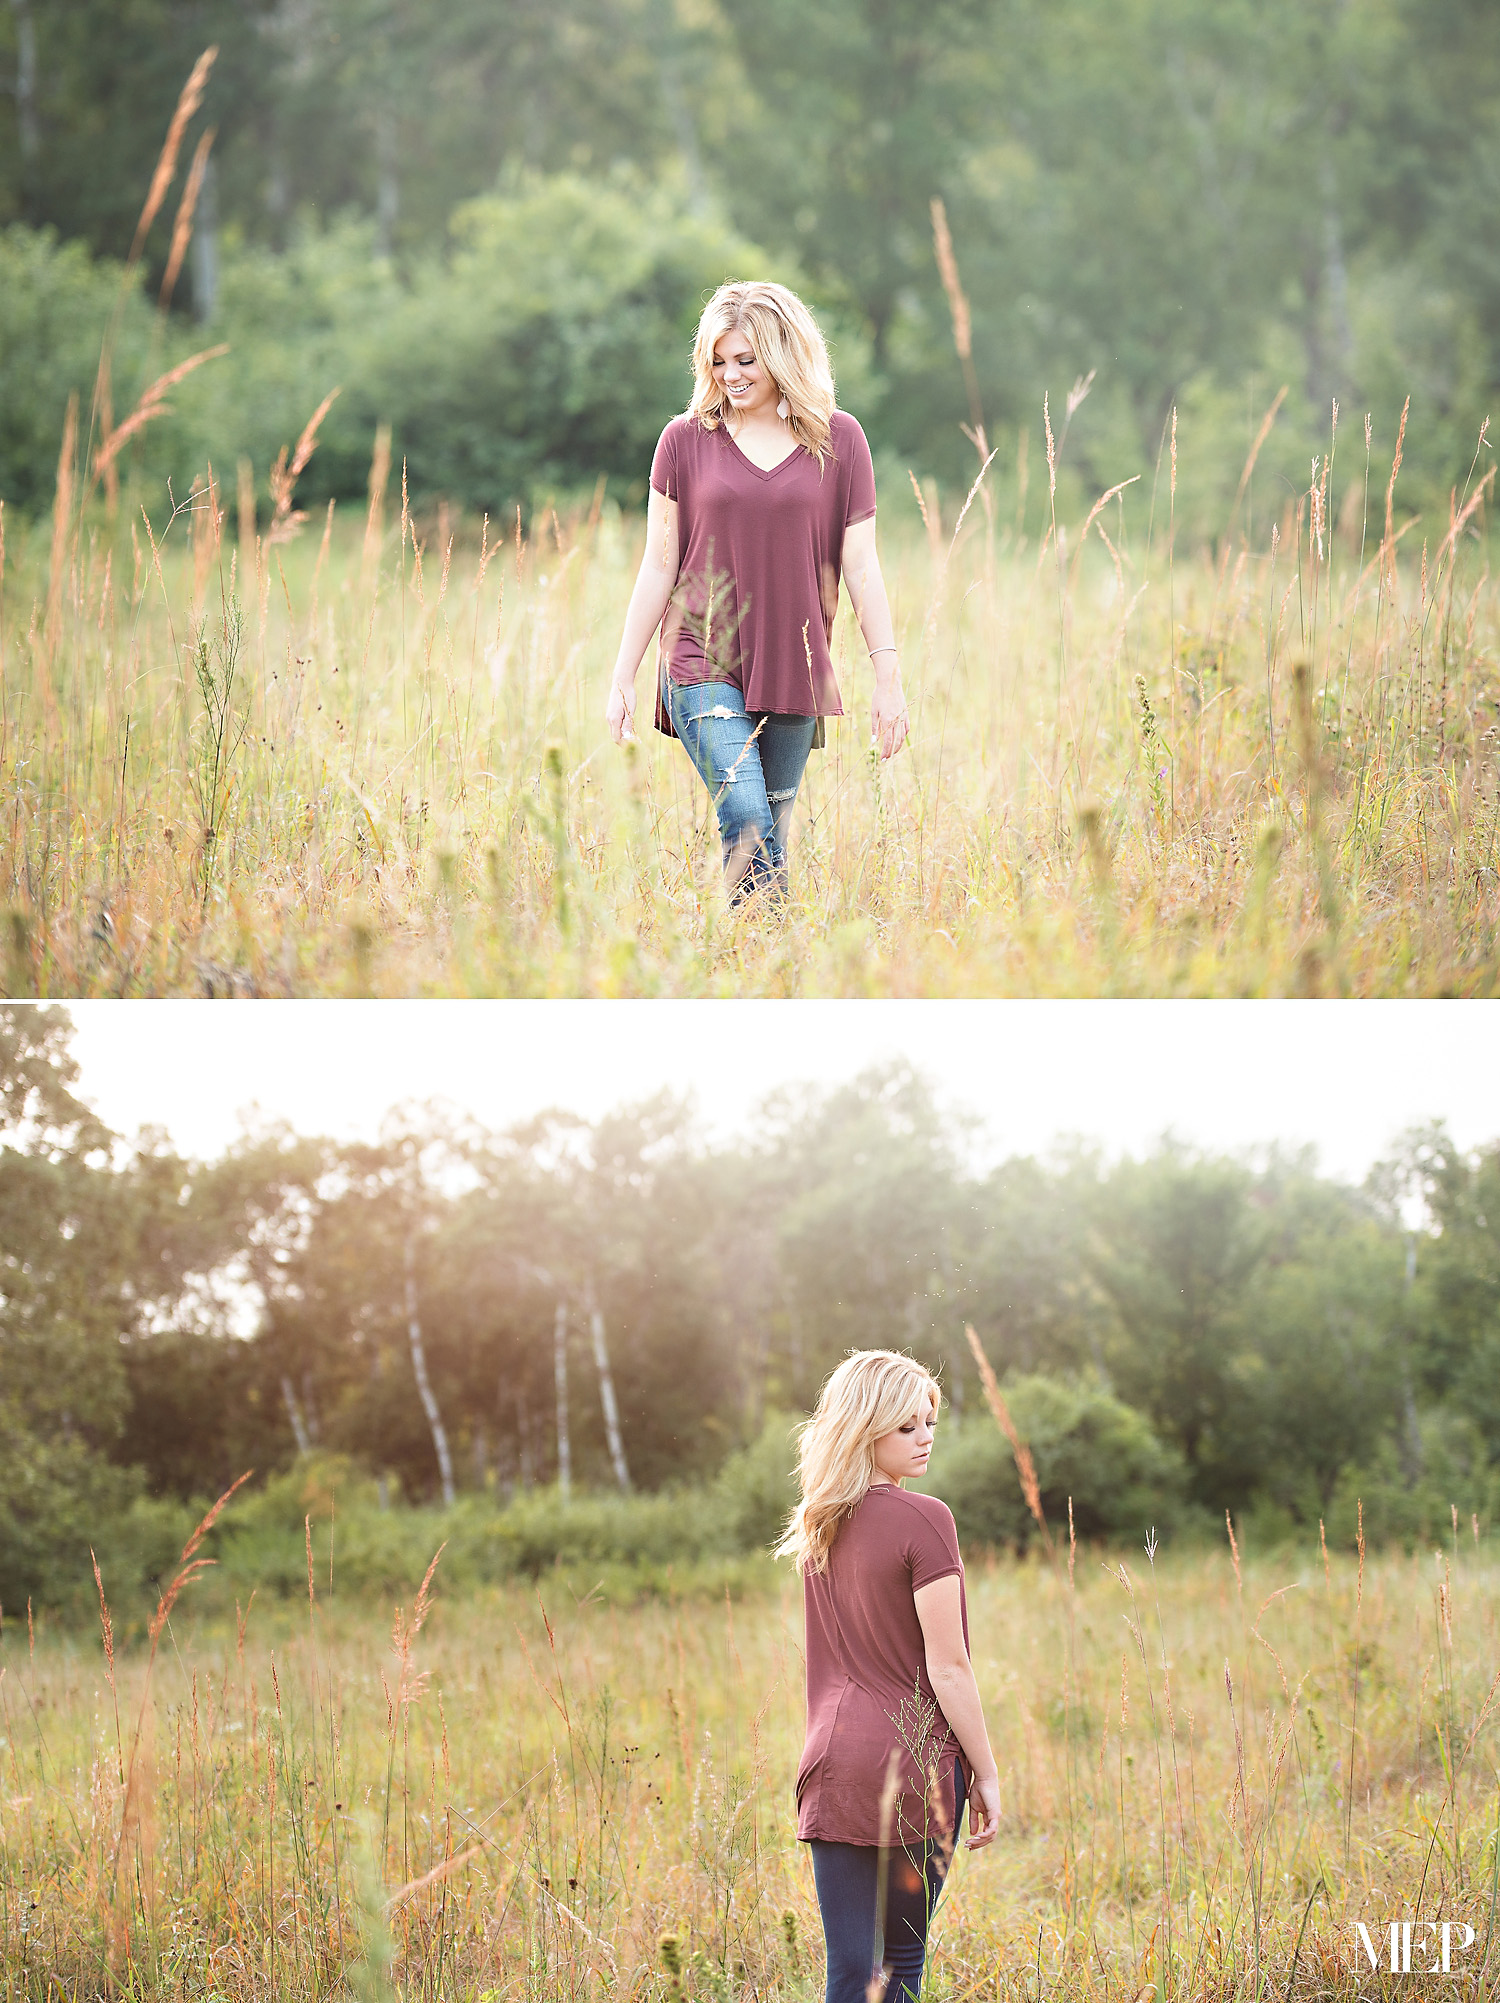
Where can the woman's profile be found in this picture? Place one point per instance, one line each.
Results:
(762, 498)
(896, 1742)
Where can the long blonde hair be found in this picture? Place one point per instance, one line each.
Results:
(787, 343)
(872, 1392)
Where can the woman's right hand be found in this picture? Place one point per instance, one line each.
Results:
(984, 1811)
(619, 711)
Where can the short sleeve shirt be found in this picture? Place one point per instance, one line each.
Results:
(872, 1717)
(759, 557)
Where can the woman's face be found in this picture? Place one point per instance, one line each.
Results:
(905, 1453)
(748, 389)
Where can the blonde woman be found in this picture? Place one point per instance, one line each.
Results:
(896, 1742)
(762, 497)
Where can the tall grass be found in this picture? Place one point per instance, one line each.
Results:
(543, 1795)
(371, 758)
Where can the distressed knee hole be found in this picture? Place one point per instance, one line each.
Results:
(725, 715)
(786, 793)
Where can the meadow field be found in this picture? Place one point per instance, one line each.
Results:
(1214, 1765)
(369, 757)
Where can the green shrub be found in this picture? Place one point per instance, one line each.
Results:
(546, 344)
(1414, 1505)
(59, 1500)
(756, 1489)
(367, 1548)
(55, 303)
(552, 343)
(299, 323)
(1085, 1444)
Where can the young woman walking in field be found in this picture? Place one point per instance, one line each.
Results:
(762, 497)
(896, 1741)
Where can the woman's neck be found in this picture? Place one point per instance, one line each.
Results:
(741, 421)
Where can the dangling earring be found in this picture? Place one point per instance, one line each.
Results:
(783, 410)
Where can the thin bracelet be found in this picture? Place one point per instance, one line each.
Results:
(883, 650)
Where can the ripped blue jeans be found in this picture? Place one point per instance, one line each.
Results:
(752, 763)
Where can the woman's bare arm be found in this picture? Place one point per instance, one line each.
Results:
(951, 1674)
(867, 594)
(648, 603)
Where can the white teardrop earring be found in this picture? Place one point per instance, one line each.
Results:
(783, 410)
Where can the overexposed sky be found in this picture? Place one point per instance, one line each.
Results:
(1346, 1076)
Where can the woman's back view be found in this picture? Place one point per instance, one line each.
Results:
(873, 1720)
(896, 1743)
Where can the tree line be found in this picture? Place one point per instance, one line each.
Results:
(618, 1304)
(1198, 201)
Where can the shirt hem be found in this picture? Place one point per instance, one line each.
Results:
(954, 1761)
(683, 681)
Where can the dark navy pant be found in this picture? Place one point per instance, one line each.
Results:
(848, 1877)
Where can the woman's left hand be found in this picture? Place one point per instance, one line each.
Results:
(619, 711)
(984, 1811)
(889, 723)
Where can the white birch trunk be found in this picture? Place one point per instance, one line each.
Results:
(523, 1439)
(206, 246)
(293, 1412)
(27, 130)
(424, 1383)
(560, 1375)
(607, 1391)
(387, 186)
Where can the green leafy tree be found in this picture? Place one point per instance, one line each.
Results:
(105, 76)
(1033, 1302)
(1175, 1244)
(1456, 1311)
(862, 111)
(65, 1298)
(219, 1240)
(866, 1181)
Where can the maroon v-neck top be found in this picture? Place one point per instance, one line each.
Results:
(870, 1702)
(758, 565)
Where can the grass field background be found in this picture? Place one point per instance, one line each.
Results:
(1212, 1766)
(370, 758)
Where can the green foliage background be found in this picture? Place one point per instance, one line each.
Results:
(493, 224)
(1177, 1336)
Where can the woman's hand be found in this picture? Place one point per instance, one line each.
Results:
(889, 723)
(984, 1811)
(649, 599)
(619, 711)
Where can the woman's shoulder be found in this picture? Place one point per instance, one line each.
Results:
(677, 452)
(931, 1509)
(685, 428)
(845, 429)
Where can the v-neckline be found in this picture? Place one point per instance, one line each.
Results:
(761, 472)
